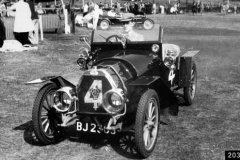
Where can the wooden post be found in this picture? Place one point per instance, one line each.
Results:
(41, 26)
(72, 16)
(66, 21)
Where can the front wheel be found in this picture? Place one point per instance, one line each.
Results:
(148, 24)
(146, 124)
(190, 90)
(44, 117)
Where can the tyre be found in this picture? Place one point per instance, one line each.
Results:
(146, 124)
(44, 117)
(104, 24)
(148, 24)
(190, 91)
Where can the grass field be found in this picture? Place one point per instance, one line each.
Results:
(200, 132)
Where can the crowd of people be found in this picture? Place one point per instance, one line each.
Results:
(26, 16)
(174, 7)
(92, 11)
(128, 7)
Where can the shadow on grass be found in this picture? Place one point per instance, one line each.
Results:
(181, 101)
(122, 143)
(29, 135)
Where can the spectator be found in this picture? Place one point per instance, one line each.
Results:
(53, 9)
(47, 8)
(201, 7)
(106, 5)
(85, 9)
(90, 7)
(101, 5)
(219, 7)
(93, 15)
(39, 9)
(174, 9)
(2, 33)
(161, 9)
(136, 8)
(23, 23)
(142, 7)
(96, 13)
(118, 7)
(235, 9)
(154, 8)
(208, 7)
(33, 35)
(238, 8)
(2, 9)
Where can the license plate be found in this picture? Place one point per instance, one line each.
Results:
(92, 128)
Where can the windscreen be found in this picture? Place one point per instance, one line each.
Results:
(117, 33)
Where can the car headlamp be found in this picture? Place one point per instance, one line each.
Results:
(155, 48)
(62, 99)
(113, 101)
(82, 62)
(84, 53)
(168, 61)
(170, 50)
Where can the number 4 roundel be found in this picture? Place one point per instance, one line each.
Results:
(94, 94)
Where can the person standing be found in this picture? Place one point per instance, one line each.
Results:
(93, 15)
(23, 23)
(118, 7)
(2, 33)
(2, 9)
(33, 35)
(85, 9)
(96, 13)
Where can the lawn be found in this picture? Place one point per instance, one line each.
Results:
(202, 131)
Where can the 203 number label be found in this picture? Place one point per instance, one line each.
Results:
(230, 155)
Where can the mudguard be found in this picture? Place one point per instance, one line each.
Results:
(107, 19)
(58, 80)
(168, 100)
(185, 68)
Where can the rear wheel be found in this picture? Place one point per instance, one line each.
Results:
(104, 24)
(148, 24)
(44, 117)
(190, 91)
(146, 124)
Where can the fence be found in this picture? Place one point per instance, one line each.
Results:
(49, 21)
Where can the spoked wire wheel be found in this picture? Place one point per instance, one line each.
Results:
(146, 124)
(190, 91)
(44, 117)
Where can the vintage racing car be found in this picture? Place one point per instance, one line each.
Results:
(125, 85)
(141, 21)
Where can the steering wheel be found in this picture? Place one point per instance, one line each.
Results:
(116, 38)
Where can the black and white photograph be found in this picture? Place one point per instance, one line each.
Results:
(119, 79)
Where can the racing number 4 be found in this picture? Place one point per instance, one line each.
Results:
(171, 76)
(94, 94)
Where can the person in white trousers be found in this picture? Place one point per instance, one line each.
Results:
(93, 15)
